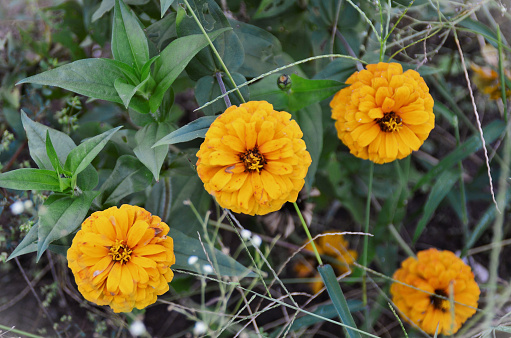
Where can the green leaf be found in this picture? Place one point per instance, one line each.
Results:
(310, 121)
(269, 8)
(207, 89)
(88, 179)
(126, 90)
(159, 198)
(129, 43)
(52, 154)
(439, 190)
(28, 244)
(30, 179)
(325, 311)
(80, 157)
(491, 132)
(90, 77)
(477, 27)
(261, 49)
(186, 246)
(60, 216)
(191, 131)
(337, 297)
(36, 135)
(165, 5)
(152, 158)
(128, 176)
(303, 92)
(173, 59)
(163, 31)
(227, 45)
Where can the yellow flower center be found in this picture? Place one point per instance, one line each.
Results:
(120, 252)
(440, 303)
(252, 160)
(390, 122)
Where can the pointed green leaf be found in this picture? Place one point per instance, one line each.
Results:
(60, 216)
(80, 157)
(173, 59)
(338, 299)
(28, 244)
(152, 158)
(440, 189)
(52, 154)
(126, 90)
(207, 89)
(36, 134)
(191, 131)
(128, 176)
(129, 43)
(90, 77)
(186, 246)
(159, 199)
(303, 92)
(30, 179)
(163, 31)
(165, 5)
(88, 179)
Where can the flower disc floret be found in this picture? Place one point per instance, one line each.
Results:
(122, 258)
(427, 300)
(384, 114)
(253, 159)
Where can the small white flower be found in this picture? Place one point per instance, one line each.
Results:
(192, 260)
(137, 328)
(246, 234)
(28, 204)
(256, 241)
(199, 328)
(207, 268)
(17, 207)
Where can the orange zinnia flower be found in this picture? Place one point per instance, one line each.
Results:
(435, 273)
(253, 159)
(488, 81)
(122, 258)
(384, 114)
(333, 245)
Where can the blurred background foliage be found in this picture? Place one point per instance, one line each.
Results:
(439, 196)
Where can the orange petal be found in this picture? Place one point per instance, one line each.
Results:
(266, 133)
(143, 262)
(223, 158)
(126, 281)
(220, 179)
(136, 233)
(234, 143)
(278, 168)
(114, 278)
(150, 249)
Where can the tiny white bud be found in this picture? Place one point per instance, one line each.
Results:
(199, 328)
(137, 328)
(246, 234)
(192, 260)
(207, 268)
(28, 204)
(256, 240)
(17, 208)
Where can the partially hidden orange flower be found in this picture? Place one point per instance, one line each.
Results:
(253, 159)
(384, 114)
(331, 244)
(435, 273)
(488, 81)
(122, 258)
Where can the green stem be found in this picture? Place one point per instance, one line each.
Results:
(318, 257)
(214, 49)
(366, 230)
(13, 330)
